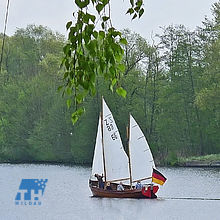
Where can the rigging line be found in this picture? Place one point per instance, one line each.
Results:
(3, 40)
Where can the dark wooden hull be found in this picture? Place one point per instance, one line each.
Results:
(128, 193)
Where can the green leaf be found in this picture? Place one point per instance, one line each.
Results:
(68, 102)
(120, 91)
(112, 70)
(115, 33)
(81, 111)
(74, 118)
(111, 88)
(62, 62)
(79, 98)
(118, 57)
(67, 64)
(105, 18)
(82, 3)
(105, 2)
(102, 34)
(92, 89)
(121, 67)
(112, 60)
(89, 28)
(123, 41)
(135, 15)
(114, 81)
(137, 9)
(130, 11)
(88, 17)
(141, 12)
(102, 65)
(99, 7)
(139, 3)
(95, 34)
(116, 48)
(66, 49)
(103, 25)
(59, 88)
(68, 24)
(132, 2)
(65, 75)
(91, 47)
(86, 38)
(77, 114)
(91, 17)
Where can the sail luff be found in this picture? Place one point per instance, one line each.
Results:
(97, 165)
(129, 158)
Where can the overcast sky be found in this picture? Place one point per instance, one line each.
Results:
(55, 13)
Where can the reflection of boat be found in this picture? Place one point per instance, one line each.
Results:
(111, 160)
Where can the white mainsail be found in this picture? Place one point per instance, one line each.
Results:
(116, 159)
(97, 165)
(141, 159)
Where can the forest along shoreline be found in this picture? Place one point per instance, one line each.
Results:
(209, 161)
(172, 90)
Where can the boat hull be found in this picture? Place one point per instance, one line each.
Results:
(128, 193)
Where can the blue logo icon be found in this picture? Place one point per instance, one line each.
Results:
(30, 192)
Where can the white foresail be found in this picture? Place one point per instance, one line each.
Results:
(141, 158)
(97, 165)
(116, 159)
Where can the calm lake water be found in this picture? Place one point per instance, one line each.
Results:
(67, 195)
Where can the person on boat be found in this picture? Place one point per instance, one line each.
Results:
(100, 180)
(120, 187)
(108, 186)
(138, 185)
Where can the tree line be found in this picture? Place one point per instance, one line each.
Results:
(172, 85)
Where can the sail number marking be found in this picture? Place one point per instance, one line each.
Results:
(108, 124)
(114, 136)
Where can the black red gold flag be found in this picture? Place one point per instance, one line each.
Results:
(158, 177)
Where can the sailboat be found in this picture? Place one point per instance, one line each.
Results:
(111, 162)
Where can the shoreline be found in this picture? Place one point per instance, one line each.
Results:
(213, 164)
(210, 160)
(199, 164)
(70, 164)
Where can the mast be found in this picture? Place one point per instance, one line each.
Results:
(103, 153)
(129, 159)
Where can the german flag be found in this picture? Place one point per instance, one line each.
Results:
(158, 177)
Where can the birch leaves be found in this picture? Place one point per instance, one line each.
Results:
(94, 48)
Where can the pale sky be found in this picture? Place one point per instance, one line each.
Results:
(56, 13)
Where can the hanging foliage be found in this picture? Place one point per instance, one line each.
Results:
(94, 48)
